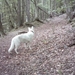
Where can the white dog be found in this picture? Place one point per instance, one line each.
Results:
(21, 38)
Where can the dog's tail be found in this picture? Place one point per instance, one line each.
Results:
(11, 47)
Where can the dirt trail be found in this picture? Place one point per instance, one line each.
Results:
(49, 54)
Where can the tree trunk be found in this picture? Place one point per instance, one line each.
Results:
(68, 9)
(1, 28)
(36, 10)
(19, 13)
(23, 9)
(28, 10)
(51, 8)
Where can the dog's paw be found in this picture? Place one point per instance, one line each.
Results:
(9, 52)
(17, 52)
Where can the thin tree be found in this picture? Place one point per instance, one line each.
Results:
(1, 27)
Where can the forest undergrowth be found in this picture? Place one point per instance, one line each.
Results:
(49, 54)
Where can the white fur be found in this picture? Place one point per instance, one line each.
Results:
(21, 38)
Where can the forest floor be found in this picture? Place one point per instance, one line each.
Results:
(49, 54)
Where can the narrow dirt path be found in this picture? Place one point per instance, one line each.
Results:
(49, 54)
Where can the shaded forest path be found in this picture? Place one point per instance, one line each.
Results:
(49, 54)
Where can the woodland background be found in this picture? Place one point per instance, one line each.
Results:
(16, 13)
(53, 48)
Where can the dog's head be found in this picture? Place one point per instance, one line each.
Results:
(31, 29)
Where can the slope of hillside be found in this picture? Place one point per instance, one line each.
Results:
(49, 54)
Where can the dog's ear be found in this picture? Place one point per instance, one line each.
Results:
(32, 27)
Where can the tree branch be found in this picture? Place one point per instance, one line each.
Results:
(39, 7)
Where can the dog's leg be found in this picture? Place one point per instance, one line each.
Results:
(16, 47)
(16, 51)
(29, 47)
(25, 45)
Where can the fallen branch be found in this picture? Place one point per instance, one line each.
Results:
(21, 32)
(73, 44)
(37, 19)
